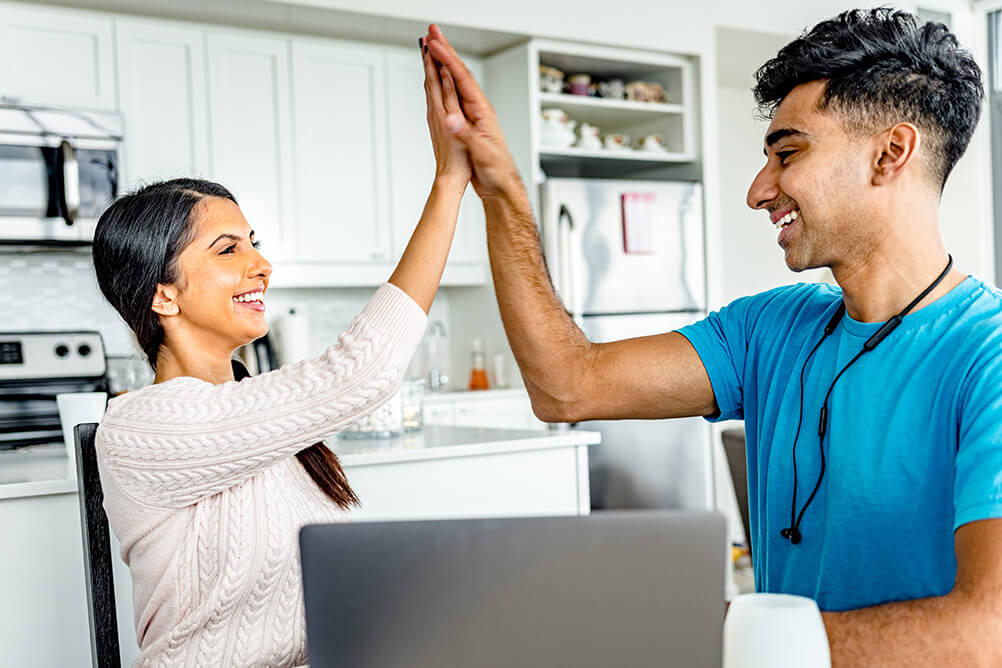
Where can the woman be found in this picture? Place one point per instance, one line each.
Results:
(208, 481)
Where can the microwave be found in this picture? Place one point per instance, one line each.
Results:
(58, 173)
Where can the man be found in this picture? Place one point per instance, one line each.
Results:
(875, 460)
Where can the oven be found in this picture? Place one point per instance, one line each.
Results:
(58, 173)
(34, 368)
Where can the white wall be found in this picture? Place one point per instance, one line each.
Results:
(752, 261)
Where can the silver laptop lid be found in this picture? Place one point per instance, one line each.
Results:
(610, 589)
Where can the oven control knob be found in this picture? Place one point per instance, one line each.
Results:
(84, 350)
(62, 350)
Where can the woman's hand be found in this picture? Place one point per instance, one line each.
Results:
(452, 160)
(475, 123)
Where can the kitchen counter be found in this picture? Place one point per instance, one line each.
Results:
(36, 471)
(43, 470)
(441, 442)
(453, 472)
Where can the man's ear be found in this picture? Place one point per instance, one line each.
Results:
(165, 300)
(896, 149)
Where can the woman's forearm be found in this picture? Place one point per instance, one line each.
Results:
(420, 268)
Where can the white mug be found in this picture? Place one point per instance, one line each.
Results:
(775, 631)
(78, 408)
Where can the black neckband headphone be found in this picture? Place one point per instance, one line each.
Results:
(792, 532)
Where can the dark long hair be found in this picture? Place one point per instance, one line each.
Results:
(882, 67)
(137, 244)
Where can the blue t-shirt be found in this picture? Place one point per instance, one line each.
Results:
(914, 444)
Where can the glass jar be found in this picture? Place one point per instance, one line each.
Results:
(386, 421)
(412, 404)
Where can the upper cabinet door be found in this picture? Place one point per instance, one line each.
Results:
(63, 57)
(412, 161)
(250, 133)
(341, 192)
(161, 73)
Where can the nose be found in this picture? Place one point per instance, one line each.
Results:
(763, 189)
(259, 266)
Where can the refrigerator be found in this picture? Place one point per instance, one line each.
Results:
(627, 259)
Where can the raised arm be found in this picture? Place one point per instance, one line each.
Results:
(568, 378)
(420, 268)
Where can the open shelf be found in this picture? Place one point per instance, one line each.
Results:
(604, 111)
(546, 153)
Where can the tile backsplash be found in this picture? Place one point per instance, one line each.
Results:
(59, 291)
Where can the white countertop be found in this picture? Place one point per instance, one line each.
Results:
(442, 441)
(43, 470)
(35, 471)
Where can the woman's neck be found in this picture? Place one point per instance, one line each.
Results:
(212, 368)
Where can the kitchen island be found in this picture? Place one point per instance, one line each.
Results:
(451, 472)
(440, 472)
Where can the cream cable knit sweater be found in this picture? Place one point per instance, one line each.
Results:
(205, 494)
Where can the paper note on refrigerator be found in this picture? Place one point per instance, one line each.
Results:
(638, 222)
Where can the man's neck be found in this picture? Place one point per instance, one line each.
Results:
(878, 286)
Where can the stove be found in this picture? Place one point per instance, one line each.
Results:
(34, 368)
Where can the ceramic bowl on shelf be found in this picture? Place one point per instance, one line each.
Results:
(654, 143)
(556, 129)
(588, 137)
(646, 91)
(613, 89)
(551, 80)
(579, 84)
(617, 142)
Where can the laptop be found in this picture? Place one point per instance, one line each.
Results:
(638, 588)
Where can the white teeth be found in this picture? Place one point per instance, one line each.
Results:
(250, 297)
(787, 219)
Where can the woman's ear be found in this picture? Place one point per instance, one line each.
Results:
(165, 300)
(897, 148)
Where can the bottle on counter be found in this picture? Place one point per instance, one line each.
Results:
(478, 372)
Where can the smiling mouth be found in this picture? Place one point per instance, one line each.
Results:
(252, 300)
(787, 219)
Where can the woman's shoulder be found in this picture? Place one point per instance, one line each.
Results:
(154, 399)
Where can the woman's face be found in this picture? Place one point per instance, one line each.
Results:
(223, 278)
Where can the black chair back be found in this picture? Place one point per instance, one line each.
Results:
(105, 650)
(737, 461)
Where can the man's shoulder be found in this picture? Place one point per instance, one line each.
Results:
(979, 322)
(790, 303)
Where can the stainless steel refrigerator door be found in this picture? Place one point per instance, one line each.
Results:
(647, 463)
(586, 234)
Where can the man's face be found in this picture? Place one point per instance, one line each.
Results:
(816, 180)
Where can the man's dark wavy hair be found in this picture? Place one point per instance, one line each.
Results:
(882, 67)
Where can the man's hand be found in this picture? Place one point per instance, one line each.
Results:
(476, 125)
(452, 160)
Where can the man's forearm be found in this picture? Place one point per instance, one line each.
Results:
(940, 632)
(544, 339)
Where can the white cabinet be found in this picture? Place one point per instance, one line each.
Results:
(251, 133)
(56, 57)
(342, 198)
(495, 409)
(412, 168)
(161, 72)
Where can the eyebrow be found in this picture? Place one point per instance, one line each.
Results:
(231, 237)
(782, 133)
